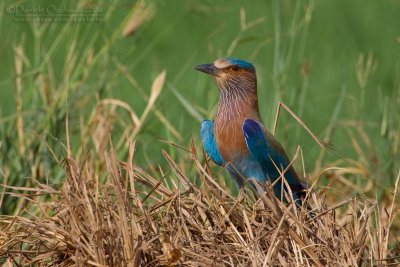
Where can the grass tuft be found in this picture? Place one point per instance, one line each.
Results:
(136, 219)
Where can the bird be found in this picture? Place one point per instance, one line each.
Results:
(237, 138)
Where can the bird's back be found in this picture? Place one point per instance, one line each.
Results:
(275, 164)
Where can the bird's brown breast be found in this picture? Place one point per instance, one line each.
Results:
(230, 140)
(234, 106)
(229, 135)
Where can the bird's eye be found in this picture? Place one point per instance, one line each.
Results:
(235, 68)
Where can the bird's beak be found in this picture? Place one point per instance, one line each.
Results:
(207, 68)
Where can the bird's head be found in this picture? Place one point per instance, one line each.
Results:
(231, 74)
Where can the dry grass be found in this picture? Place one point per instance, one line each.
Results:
(135, 219)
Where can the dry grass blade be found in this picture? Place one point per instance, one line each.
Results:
(116, 102)
(134, 219)
(322, 144)
(156, 88)
(141, 13)
(19, 55)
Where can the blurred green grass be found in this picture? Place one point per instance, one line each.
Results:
(312, 55)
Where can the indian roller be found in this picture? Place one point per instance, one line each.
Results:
(237, 139)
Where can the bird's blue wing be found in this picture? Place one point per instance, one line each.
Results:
(268, 152)
(207, 135)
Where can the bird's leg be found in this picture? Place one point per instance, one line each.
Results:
(322, 144)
